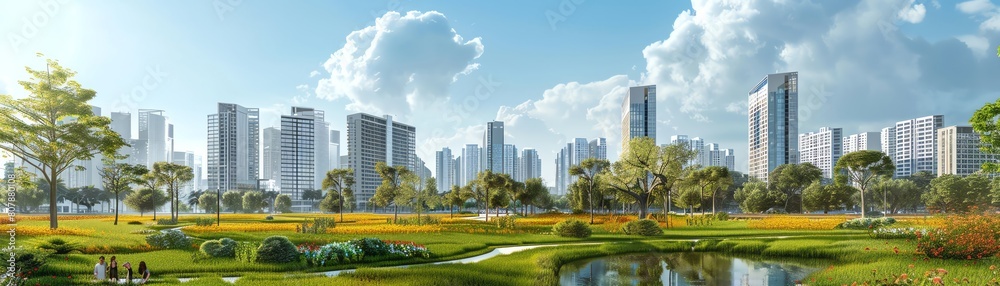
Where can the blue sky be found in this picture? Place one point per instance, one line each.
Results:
(558, 68)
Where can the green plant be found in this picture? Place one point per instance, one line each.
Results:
(372, 246)
(59, 246)
(277, 249)
(414, 221)
(319, 225)
(246, 252)
(721, 216)
(867, 223)
(219, 248)
(970, 236)
(204, 221)
(643, 227)
(270, 217)
(572, 228)
(166, 221)
(169, 239)
(506, 222)
(135, 222)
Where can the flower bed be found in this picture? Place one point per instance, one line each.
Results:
(356, 250)
(795, 223)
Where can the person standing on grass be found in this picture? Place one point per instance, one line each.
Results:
(143, 272)
(99, 269)
(113, 269)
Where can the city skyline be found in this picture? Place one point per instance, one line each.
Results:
(570, 98)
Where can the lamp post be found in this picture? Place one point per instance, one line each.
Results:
(218, 208)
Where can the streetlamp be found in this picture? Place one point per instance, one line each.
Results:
(218, 207)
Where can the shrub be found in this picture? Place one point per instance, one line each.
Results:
(721, 216)
(643, 227)
(423, 220)
(894, 233)
(169, 239)
(277, 249)
(972, 236)
(219, 248)
(27, 261)
(59, 246)
(334, 253)
(572, 228)
(615, 224)
(135, 222)
(165, 221)
(246, 251)
(867, 223)
(270, 217)
(319, 225)
(372, 246)
(204, 221)
(506, 222)
(144, 231)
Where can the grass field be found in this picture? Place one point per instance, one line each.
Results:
(849, 255)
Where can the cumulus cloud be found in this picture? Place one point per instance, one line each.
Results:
(984, 9)
(398, 65)
(913, 13)
(975, 6)
(313, 73)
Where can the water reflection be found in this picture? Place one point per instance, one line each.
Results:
(687, 268)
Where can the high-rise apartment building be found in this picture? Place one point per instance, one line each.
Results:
(916, 145)
(302, 135)
(887, 138)
(510, 161)
(471, 155)
(159, 135)
(573, 154)
(862, 141)
(639, 114)
(531, 165)
(233, 147)
(334, 150)
(271, 149)
(492, 154)
(773, 123)
(372, 139)
(444, 168)
(822, 149)
(959, 153)
(599, 148)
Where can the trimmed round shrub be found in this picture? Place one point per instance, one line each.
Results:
(643, 227)
(572, 228)
(219, 248)
(210, 247)
(135, 222)
(277, 249)
(169, 239)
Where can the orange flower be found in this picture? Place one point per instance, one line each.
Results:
(993, 267)
(911, 265)
(942, 271)
(937, 281)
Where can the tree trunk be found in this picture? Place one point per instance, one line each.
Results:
(862, 203)
(395, 213)
(341, 206)
(451, 211)
(53, 208)
(116, 209)
(591, 197)
(713, 202)
(487, 202)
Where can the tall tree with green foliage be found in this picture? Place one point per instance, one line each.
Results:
(146, 200)
(232, 200)
(312, 196)
(453, 198)
(712, 179)
(791, 179)
(253, 201)
(339, 181)
(755, 197)
(535, 191)
(118, 179)
(587, 172)
(986, 122)
(645, 168)
(209, 202)
(418, 196)
(861, 169)
(283, 203)
(393, 178)
(819, 197)
(172, 176)
(956, 194)
(487, 184)
(53, 127)
(896, 194)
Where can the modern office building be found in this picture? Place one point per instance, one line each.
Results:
(822, 149)
(271, 155)
(573, 154)
(916, 145)
(159, 135)
(444, 168)
(773, 123)
(639, 114)
(862, 141)
(959, 153)
(530, 166)
(471, 155)
(302, 135)
(510, 161)
(322, 145)
(599, 148)
(372, 139)
(492, 154)
(233, 147)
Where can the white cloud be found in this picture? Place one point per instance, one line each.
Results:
(313, 73)
(400, 64)
(913, 13)
(975, 6)
(980, 46)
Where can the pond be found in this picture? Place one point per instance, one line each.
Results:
(685, 268)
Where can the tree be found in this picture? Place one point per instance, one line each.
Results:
(712, 179)
(118, 179)
(487, 181)
(819, 197)
(312, 196)
(172, 176)
(536, 193)
(28, 195)
(233, 201)
(270, 198)
(283, 203)
(896, 194)
(791, 179)
(690, 197)
(644, 168)
(755, 197)
(587, 172)
(193, 196)
(953, 193)
(209, 201)
(253, 201)
(392, 181)
(53, 127)
(860, 168)
(339, 181)
(986, 122)
(88, 196)
(454, 198)
(146, 200)
(416, 196)
(331, 203)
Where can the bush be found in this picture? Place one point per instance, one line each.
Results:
(413, 220)
(204, 221)
(334, 253)
(59, 246)
(372, 246)
(319, 225)
(971, 236)
(219, 248)
(866, 223)
(165, 221)
(615, 224)
(269, 217)
(572, 228)
(169, 239)
(135, 222)
(506, 222)
(27, 261)
(721, 216)
(246, 251)
(277, 249)
(643, 227)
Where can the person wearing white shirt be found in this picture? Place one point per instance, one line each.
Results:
(100, 269)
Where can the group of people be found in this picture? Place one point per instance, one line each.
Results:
(109, 271)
